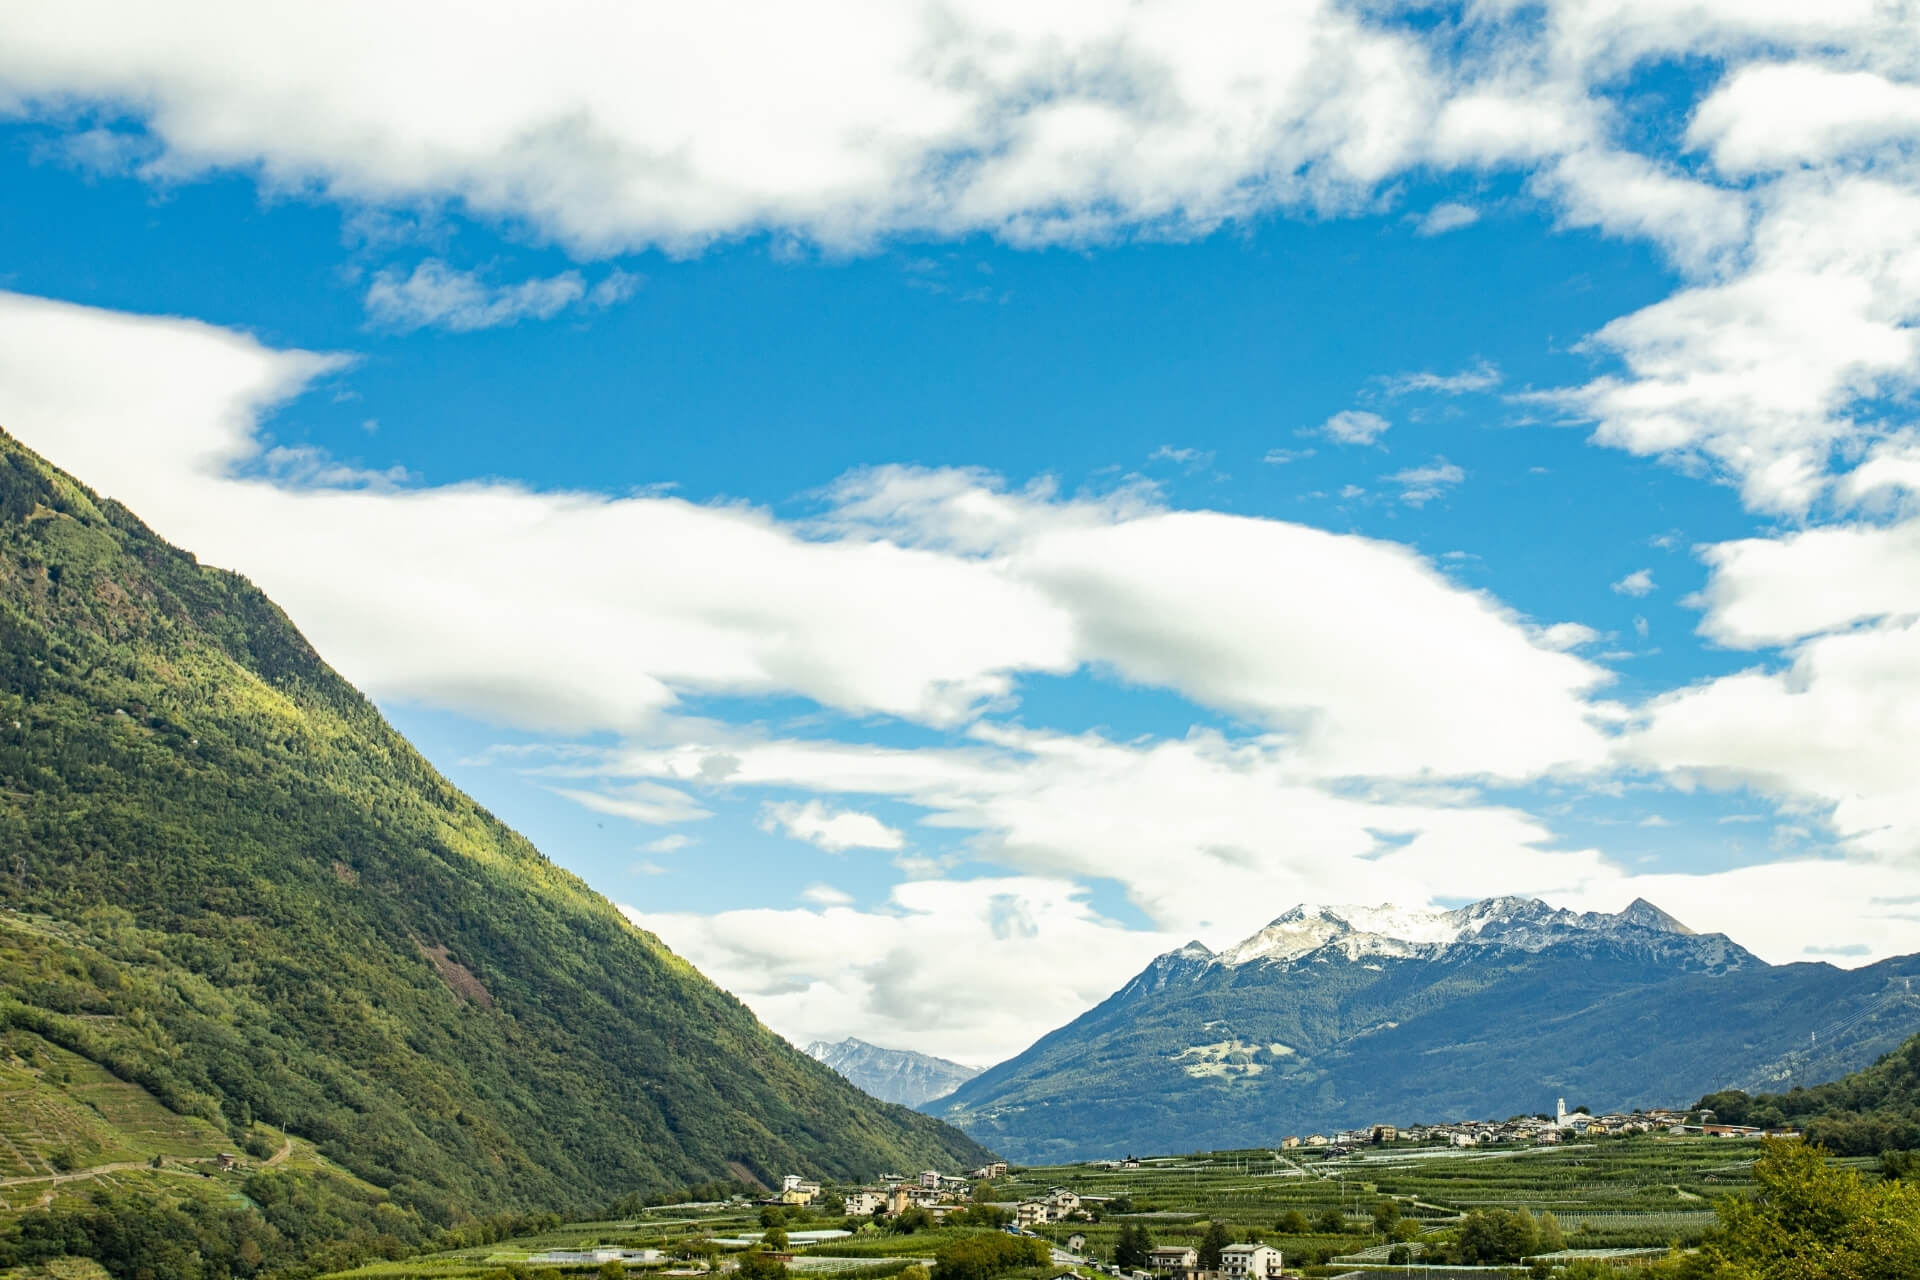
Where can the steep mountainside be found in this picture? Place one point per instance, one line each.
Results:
(1341, 1016)
(227, 880)
(892, 1075)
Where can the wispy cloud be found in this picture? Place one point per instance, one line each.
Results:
(1483, 375)
(1449, 216)
(1421, 485)
(437, 296)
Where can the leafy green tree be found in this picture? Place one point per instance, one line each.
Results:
(1294, 1223)
(1552, 1239)
(1331, 1221)
(611, 1270)
(775, 1239)
(1385, 1214)
(1810, 1221)
(988, 1255)
(756, 1264)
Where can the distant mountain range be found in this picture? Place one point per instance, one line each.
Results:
(1341, 1016)
(893, 1075)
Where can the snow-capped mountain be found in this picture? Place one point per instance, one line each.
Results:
(1387, 930)
(1337, 1016)
(892, 1075)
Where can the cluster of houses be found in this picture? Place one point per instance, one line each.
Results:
(938, 1193)
(1534, 1129)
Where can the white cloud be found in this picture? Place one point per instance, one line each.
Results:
(1354, 426)
(1637, 583)
(1483, 375)
(833, 830)
(437, 296)
(1421, 485)
(668, 843)
(1447, 216)
(945, 968)
(1568, 635)
(825, 895)
(611, 128)
(643, 802)
(1774, 116)
(1281, 457)
(1206, 832)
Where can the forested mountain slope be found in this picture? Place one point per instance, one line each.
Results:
(1875, 1109)
(226, 878)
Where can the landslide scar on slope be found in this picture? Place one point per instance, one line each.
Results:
(456, 975)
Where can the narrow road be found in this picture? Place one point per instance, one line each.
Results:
(286, 1149)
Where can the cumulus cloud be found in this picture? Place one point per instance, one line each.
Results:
(833, 830)
(437, 296)
(1637, 583)
(1354, 426)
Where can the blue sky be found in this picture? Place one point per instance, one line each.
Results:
(895, 528)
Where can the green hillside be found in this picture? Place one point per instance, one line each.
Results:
(227, 881)
(1873, 1110)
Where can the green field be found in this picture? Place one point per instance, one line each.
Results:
(1608, 1195)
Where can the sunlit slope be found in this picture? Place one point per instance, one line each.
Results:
(233, 883)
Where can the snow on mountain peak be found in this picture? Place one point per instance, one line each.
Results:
(1387, 930)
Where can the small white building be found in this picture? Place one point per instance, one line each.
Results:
(862, 1204)
(1062, 1203)
(1076, 1243)
(1250, 1262)
(1030, 1213)
(930, 1179)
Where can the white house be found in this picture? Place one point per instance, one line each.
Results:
(1250, 1262)
(1061, 1203)
(1030, 1213)
(862, 1204)
(1076, 1242)
(930, 1179)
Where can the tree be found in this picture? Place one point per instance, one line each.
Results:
(1399, 1256)
(1216, 1239)
(611, 1270)
(776, 1238)
(1811, 1221)
(1131, 1248)
(1495, 1236)
(1385, 1214)
(1331, 1222)
(1292, 1223)
(1552, 1239)
(772, 1216)
(756, 1264)
(986, 1256)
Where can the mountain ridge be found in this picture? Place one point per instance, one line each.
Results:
(1325, 1019)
